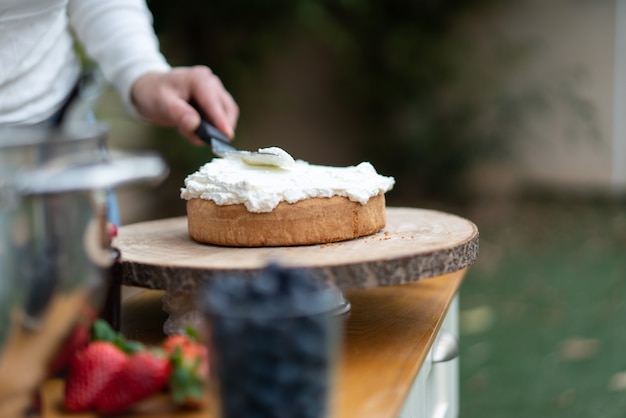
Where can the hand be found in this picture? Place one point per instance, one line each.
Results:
(163, 98)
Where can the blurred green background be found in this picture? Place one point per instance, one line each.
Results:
(497, 110)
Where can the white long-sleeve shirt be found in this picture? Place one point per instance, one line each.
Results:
(38, 63)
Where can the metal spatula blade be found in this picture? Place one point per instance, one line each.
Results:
(220, 145)
(219, 142)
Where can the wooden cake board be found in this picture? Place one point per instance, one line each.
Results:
(415, 244)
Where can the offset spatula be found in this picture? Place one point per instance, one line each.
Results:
(219, 142)
(220, 145)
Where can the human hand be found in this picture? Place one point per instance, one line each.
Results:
(163, 99)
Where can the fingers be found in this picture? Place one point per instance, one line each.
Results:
(231, 109)
(163, 99)
(216, 103)
(187, 122)
(188, 118)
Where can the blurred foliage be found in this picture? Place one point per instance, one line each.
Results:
(402, 70)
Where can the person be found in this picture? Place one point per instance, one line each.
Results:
(39, 65)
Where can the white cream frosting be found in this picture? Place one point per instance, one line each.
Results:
(229, 181)
(273, 156)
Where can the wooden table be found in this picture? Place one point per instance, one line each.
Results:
(388, 334)
(395, 315)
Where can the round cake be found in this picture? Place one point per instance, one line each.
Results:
(244, 202)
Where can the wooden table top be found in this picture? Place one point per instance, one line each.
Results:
(387, 337)
(415, 244)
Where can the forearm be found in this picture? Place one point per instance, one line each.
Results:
(118, 36)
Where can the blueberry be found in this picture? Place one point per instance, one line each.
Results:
(271, 339)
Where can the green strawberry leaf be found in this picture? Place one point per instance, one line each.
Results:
(192, 333)
(130, 346)
(102, 331)
(185, 382)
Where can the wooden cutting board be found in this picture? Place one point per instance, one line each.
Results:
(415, 244)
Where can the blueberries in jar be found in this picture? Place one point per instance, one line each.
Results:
(272, 337)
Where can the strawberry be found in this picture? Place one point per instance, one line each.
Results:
(175, 340)
(145, 373)
(77, 339)
(91, 369)
(190, 369)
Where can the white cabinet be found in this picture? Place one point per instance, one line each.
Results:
(435, 393)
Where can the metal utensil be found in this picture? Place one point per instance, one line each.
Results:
(220, 145)
(55, 255)
(220, 142)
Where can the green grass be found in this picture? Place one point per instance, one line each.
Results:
(543, 312)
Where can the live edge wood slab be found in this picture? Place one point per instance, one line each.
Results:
(415, 244)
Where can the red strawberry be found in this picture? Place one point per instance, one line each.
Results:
(191, 348)
(175, 340)
(145, 373)
(78, 339)
(91, 370)
(190, 369)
